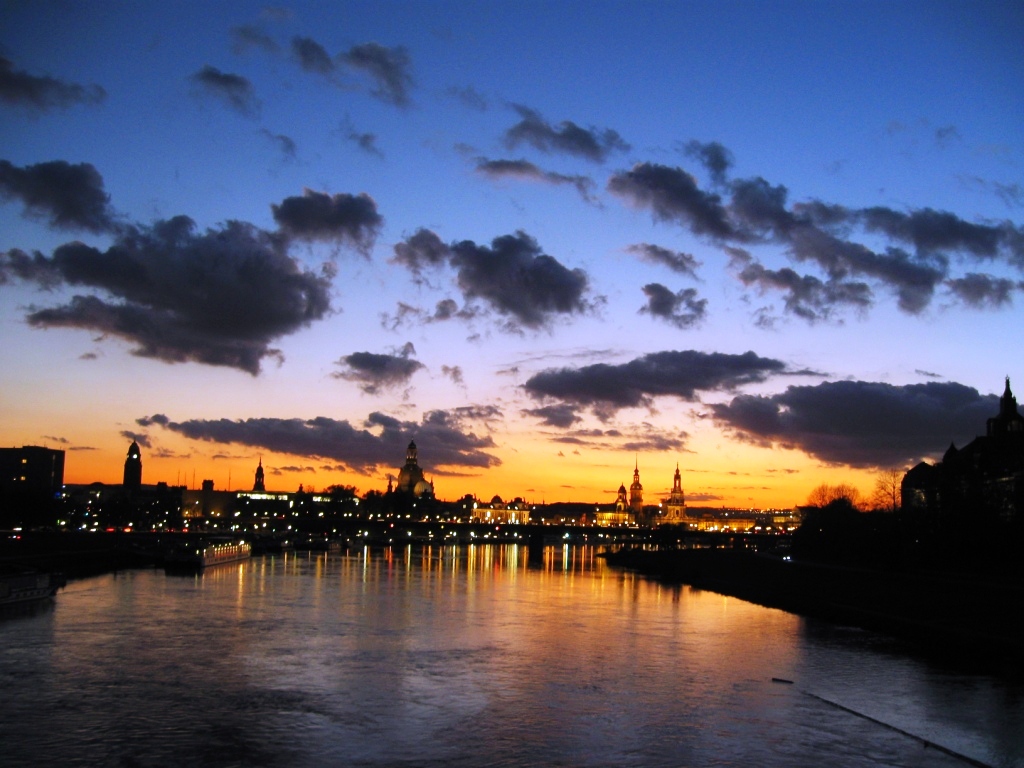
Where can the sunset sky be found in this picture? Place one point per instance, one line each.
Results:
(777, 243)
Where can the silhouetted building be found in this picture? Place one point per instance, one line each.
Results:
(636, 493)
(258, 484)
(133, 467)
(410, 476)
(984, 479)
(31, 478)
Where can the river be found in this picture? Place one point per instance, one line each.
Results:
(469, 656)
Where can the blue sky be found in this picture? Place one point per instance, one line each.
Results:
(777, 243)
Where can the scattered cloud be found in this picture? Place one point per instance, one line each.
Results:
(312, 56)
(561, 415)
(66, 195)
(527, 171)
(218, 297)
(606, 388)
(42, 92)
(677, 261)
(375, 373)
(715, 158)
(859, 423)
(512, 276)
(470, 97)
(234, 91)
(284, 143)
(377, 444)
(246, 37)
(388, 68)
(591, 144)
(342, 218)
(757, 213)
(682, 309)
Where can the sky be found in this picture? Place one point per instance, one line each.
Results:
(775, 244)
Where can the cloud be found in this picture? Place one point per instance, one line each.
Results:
(378, 443)
(859, 423)
(569, 138)
(388, 68)
(247, 36)
(453, 372)
(470, 97)
(805, 295)
(713, 156)
(375, 373)
(218, 297)
(757, 213)
(512, 276)
(366, 142)
(68, 196)
(562, 415)
(312, 56)
(285, 143)
(683, 309)
(680, 374)
(234, 91)
(517, 279)
(677, 261)
(525, 170)
(980, 291)
(19, 88)
(341, 218)
(673, 195)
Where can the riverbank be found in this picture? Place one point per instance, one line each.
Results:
(971, 623)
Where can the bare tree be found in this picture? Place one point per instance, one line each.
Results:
(826, 494)
(887, 495)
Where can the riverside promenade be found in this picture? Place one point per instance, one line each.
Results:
(972, 622)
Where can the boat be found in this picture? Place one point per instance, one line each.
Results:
(19, 587)
(207, 554)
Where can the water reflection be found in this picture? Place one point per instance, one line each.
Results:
(466, 655)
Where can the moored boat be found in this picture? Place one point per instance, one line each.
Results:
(207, 554)
(27, 586)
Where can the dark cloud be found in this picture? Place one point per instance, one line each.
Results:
(453, 372)
(421, 250)
(673, 195)
(67, 196)
(285, 143)
(139, 437)
(366, 142)
(713, 156)
(389, 68)
(513, 276)
(233, 90)
(311, 56)
(859, 423)
(375, 373)
(470, 97)
(680, 374)
(43, 92)
(980, 291)
(758, 213)
(378, 444)
(218, 297)
(247, 36)
(805, 295)
(525, 170)
(677, 261)
(592, 144)
(518, 280)
(683, 309)
(342, 218)
(562, 415)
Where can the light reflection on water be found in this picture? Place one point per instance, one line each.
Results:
(467, 656)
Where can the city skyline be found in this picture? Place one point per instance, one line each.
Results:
(777, 244)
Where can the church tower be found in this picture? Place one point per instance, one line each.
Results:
(133, 467)
(1009, 419)
(636, 493)
(258, 484)
(675, 505)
